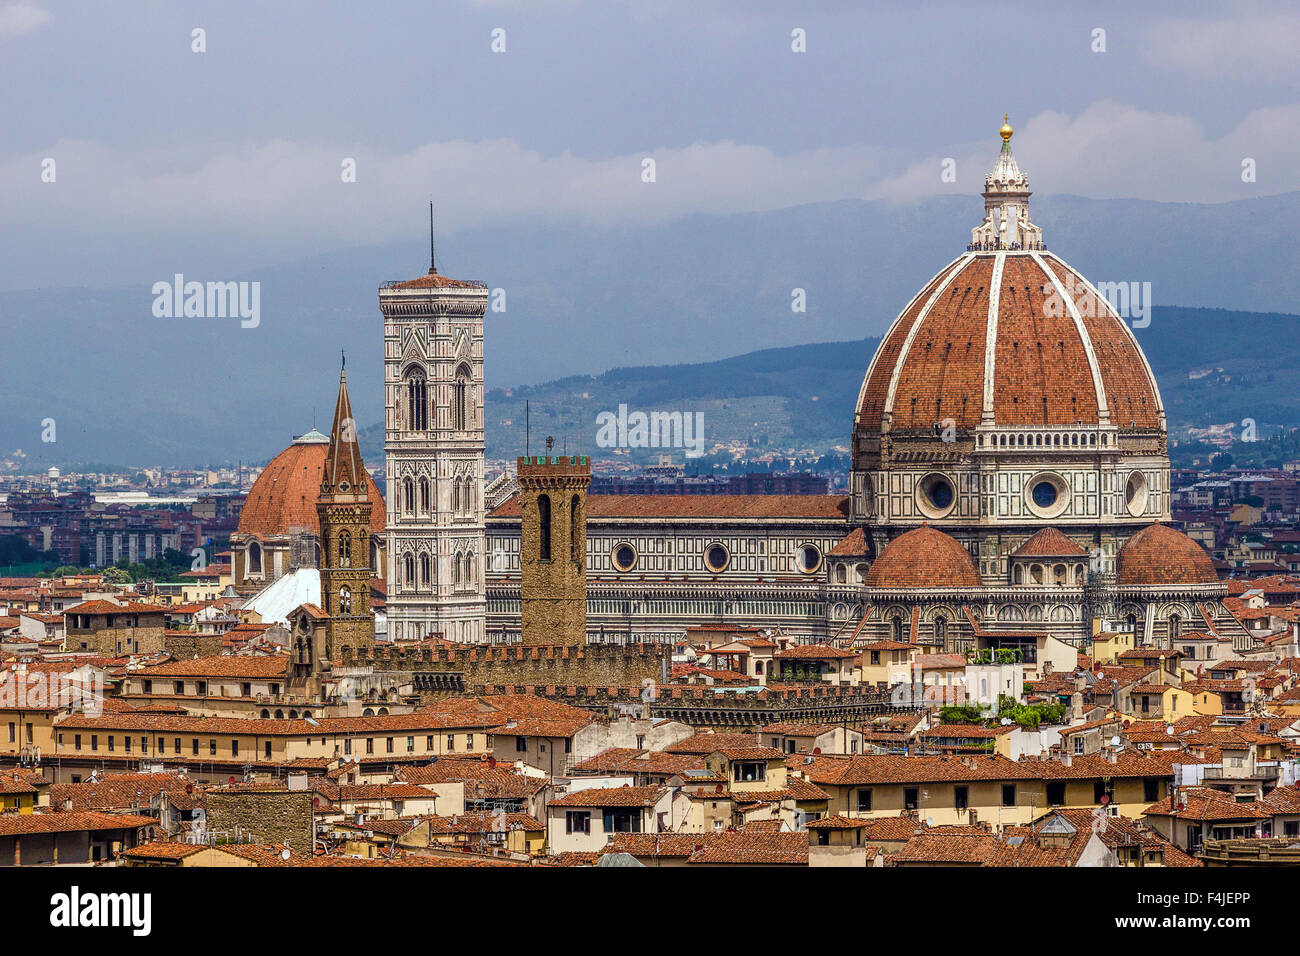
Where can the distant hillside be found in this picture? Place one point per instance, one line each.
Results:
(127, 388)
(804, 396)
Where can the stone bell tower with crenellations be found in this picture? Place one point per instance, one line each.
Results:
(553, 548)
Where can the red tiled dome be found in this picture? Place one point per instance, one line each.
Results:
(284, 496)
(1158, 555)
(923, 558)
(1049, 543)
(934, 363)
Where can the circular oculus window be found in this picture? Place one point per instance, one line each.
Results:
(808, 558)
(935, 495)
(1046, 495)
(717, 558)
(1136, 494)
(624, 557)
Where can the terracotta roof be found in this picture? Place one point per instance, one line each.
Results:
(629, 760)
(433, 280)
(1049, 543)
(778, 507)
(267, 666)
(657, 845)
(284, 496)
(21, 824)
(163, 850)
(120, 791)
(484, 823)
(812, 652)
(753, 849)
(923, 558)
(1159, 555)
(611, 797)
(1206, 804)
(935, 360)
(108, 607)
(703, 744)
(482, 779)
(852, 545)
(751, 753)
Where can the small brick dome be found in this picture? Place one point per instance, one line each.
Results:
(923, 558)
(1158, 555)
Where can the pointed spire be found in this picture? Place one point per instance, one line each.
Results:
(433, 262)
(343, 460)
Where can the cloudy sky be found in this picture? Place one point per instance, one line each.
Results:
(235, 153)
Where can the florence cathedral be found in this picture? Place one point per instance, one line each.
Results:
(1010, 481)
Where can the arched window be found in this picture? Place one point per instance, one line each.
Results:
(455, 496)
(408, 569)
(254, 558)
(1175, 625)
(345, 549)
(842, 575)
(574, 526)
(408, 496)
(425, 568)
(417, 401)
(897, 622)
(941, 628)
(424, 495)
(455, 570)
(345, 600)
(544, 523)
(460, 416)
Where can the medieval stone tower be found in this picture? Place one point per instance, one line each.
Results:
(553, 548)
(344, 511)
(433, 441)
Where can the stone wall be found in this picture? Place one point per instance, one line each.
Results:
(187, 646)
(442, 671)
(268, 816)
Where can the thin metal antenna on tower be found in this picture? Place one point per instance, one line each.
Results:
(433, 263)
(527, 430)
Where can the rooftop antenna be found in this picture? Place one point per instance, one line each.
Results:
(527, 429)
(433, 268)
(344, 357)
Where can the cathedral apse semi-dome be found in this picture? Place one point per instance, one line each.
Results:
(923, 558)
(1161, 555)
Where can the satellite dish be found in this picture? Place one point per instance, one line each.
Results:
(1006, 721)
(284, 854)
(1114, 741)
(929, 821)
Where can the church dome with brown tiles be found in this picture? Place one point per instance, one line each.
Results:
(1162, 556)
(279, 525)
(924, 557)
(1009, 392)
(283, 498)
